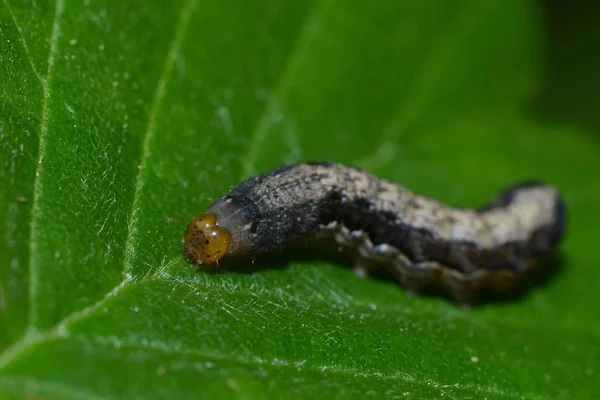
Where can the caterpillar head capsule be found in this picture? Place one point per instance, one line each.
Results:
(205, 241)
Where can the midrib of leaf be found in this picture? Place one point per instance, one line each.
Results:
(265, 118)
(415, 100)
(159, 94)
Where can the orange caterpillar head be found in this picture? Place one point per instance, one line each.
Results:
(205, 241)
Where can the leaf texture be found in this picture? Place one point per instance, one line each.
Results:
(119, 121)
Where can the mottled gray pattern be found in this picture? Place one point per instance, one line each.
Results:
(422, 240)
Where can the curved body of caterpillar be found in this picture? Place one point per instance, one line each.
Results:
(419, 239)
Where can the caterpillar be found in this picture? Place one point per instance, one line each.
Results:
(420, 240)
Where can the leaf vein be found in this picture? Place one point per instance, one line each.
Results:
(280, 363)
(159, 94)
(54, 37)
(25, 47)
(54, 387)
(265, 117)
(424, 84)
(276, 363)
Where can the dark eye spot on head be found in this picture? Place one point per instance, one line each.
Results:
(254, 226)
(206, 241)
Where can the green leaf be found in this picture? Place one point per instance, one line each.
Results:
(119, 121)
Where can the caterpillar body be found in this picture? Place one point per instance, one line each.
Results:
(420, 240)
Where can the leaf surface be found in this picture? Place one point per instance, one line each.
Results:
(119, 121)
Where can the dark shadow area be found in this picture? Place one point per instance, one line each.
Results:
(292, 254)
(570, 91)
(547, 271)
(539, 277)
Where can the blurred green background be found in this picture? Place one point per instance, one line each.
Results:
(119, 121)
(570, 89)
